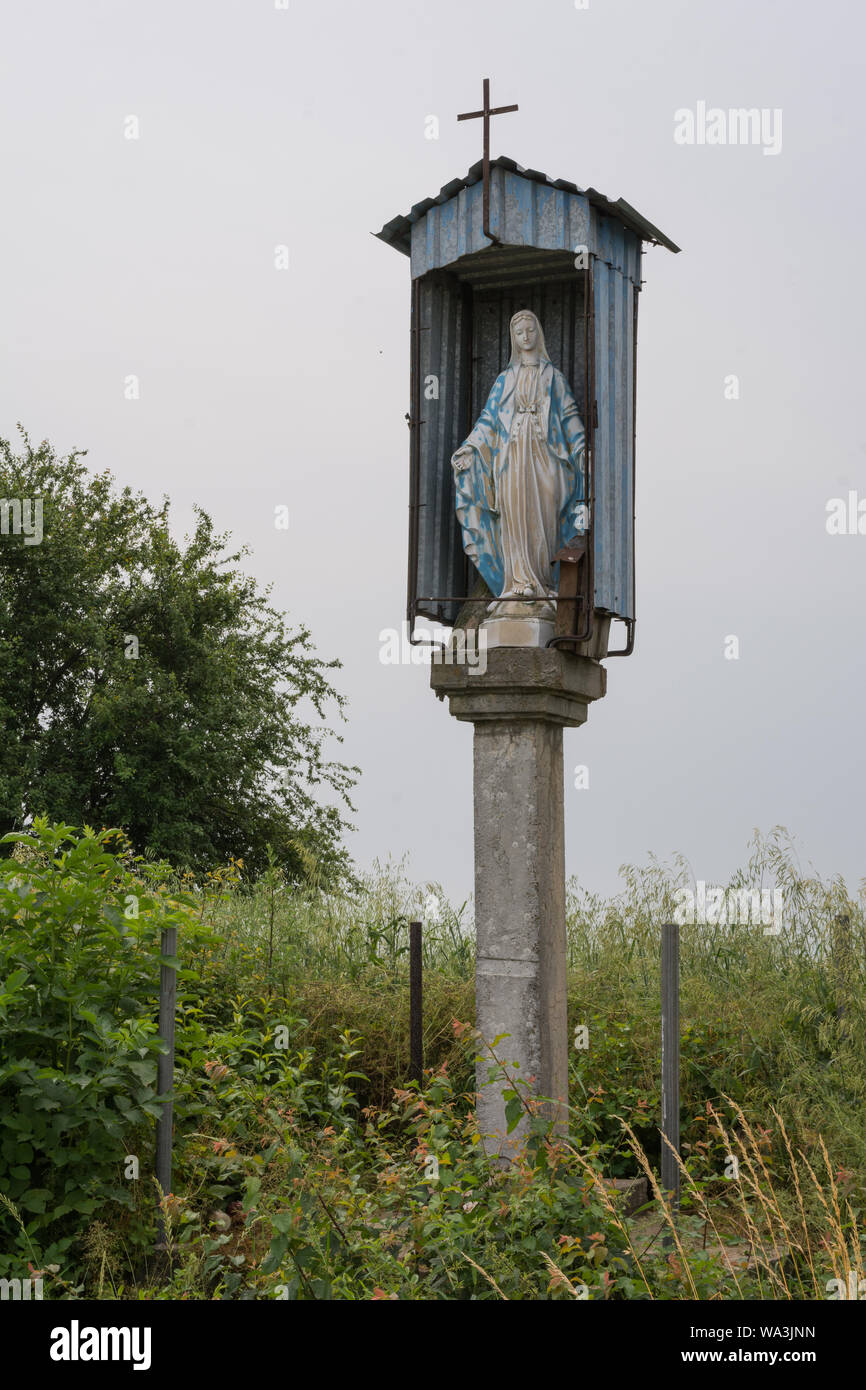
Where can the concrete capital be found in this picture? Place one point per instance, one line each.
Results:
(545, 684)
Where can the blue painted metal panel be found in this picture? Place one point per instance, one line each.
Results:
(616, 274)
(522, 213)
(397, 232)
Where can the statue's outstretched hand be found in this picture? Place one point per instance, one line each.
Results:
(462, 459)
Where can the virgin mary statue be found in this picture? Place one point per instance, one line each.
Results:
(520, 477)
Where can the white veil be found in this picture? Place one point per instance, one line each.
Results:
(540, 345)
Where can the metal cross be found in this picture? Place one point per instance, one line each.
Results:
(486, 112)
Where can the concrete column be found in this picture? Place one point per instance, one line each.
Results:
(519, 706)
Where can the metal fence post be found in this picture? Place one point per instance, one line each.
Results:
(416, 1030)
(670, 1127)
(165, 1069)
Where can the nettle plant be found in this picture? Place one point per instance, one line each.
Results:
(80, 928)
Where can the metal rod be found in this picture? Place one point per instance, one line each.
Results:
(416, 1028)
(485, 598)
(629, 646)
(590, 427)
(635, 291)
(575, 637)
(467, 383)
(485, 167)
(670, 1127)
(165, 1069)
(415, 423)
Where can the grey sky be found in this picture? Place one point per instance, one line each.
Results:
(306, 127)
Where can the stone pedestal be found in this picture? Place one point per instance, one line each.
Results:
(519, 707)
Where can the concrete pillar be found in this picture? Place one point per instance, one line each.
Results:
(519, 706)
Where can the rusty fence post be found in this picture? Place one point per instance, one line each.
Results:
(416, 1023)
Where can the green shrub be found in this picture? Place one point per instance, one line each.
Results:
(79, 965)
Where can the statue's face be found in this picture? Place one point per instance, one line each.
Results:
(526, 334)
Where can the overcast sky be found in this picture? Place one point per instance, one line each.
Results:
(259, 127)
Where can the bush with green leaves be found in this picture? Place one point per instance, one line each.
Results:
(79, 965)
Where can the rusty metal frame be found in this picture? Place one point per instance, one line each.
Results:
(629, 646)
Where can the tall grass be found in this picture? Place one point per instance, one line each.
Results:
(351, 935)
(770, 1019)
(772, 1029)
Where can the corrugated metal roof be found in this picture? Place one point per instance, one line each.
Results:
(397, 232)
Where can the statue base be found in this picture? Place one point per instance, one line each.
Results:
(517, 632)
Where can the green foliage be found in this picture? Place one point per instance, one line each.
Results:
(341, 959)
(438, 1221)
(308, 1167)
(79, 963)
(148, 684)
(608, 1087)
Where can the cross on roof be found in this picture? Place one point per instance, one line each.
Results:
(485, 113)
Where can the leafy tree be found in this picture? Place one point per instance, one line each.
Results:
(148, 684)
